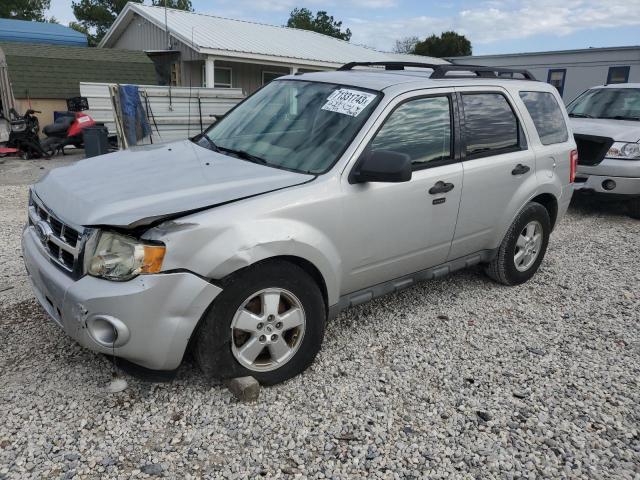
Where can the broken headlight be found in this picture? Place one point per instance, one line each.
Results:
(119, 257)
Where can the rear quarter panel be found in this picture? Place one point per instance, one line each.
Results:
(553, 161)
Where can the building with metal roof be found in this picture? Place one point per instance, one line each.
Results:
(43, 76)
(205, 50)
(23, 31)
(570, 71)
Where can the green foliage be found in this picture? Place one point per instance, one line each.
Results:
(79, 28)
(24, 9)
(303, 19)
(449, 44)
(97, 16)
(177, 4)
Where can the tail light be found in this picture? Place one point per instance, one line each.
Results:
(573, 156)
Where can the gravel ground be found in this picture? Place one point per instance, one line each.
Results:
(459, 378)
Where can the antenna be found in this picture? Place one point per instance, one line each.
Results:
(190, 80)
(166, 26)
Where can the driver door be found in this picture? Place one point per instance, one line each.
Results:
(394, 229)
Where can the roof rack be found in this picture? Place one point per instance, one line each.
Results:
(441, 70)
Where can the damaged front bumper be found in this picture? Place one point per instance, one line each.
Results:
(147, 320)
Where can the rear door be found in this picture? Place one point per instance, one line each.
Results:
(499, 168)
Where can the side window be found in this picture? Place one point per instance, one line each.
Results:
(490, 126)
(419, 128)
(547, 116)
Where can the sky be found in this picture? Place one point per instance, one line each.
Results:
(492, 26)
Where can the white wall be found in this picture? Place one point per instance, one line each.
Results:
(585, 68)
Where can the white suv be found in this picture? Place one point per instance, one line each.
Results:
(606, 124)
(318, 192)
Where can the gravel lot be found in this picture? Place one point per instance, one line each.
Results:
(460, 378)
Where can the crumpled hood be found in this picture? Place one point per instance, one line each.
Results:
(619, 130)
(135, 187)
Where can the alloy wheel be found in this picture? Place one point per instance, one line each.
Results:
(267, 329)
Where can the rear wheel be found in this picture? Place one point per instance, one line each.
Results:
(523, 247)
(633, 207)
(268, 322)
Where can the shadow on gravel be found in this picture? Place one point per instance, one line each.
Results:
(596, 205)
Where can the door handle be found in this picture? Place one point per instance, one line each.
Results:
(520, 169)
(441, 187)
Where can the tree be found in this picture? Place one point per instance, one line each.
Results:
(303, 19)
(406, 45)
(24, 9)
(448, 44)
(96, 16)
(79, 28)
(177, 4)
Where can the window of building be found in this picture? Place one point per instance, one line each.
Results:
(556, 78)
(490, 125)
(222, 75)
(547, 117)
(618, 75)
(419, 128)
(269, 76)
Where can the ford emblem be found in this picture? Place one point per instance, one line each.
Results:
(44, 231)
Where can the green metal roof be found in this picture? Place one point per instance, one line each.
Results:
(53, 71)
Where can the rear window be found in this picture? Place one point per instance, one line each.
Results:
(490, 126)
(547, 116)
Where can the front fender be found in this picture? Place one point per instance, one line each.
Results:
(215, 254)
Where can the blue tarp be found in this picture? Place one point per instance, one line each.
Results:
(23, 31)
(134, 118)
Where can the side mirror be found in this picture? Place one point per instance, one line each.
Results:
(382, 166)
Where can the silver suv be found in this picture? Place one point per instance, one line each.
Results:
(606, 126)
(319, 192)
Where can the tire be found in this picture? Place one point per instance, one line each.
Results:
(503, 268)
(219, 347)
(633, 208)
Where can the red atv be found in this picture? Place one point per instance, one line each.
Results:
(68, 129)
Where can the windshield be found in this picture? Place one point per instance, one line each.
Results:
(296, 125)
(617, 103)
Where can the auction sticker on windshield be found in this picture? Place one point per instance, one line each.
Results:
(348, 102)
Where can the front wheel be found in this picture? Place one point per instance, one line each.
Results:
(268, 322)
(523, 247)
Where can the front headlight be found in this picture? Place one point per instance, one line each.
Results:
(119, 257)
(624, 151)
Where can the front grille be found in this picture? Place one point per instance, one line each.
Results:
(61, 241)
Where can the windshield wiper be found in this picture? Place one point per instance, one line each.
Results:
(621, 117)
(212, 144)
(243, 154)
(580, 115)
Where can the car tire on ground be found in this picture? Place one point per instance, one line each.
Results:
(633, 207)
(523, 247)
(268, 322)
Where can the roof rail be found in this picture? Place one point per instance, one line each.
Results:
(440, 70)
